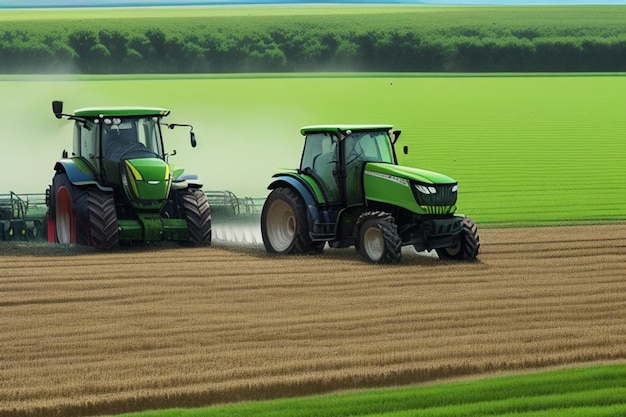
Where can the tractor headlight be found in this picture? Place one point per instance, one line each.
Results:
(124, 178)
(425, 189)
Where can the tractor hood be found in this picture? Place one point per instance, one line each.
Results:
(398, 172)
(417, 190)
(146, 181)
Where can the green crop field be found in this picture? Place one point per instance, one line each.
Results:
(603, 21)
(526, 149)
(583, 392)
(602, 18)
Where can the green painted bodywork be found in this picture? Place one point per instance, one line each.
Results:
(416, 174)
(148, 183)
(151, 227)
(391, 184)
(120, 111)
(177, 172)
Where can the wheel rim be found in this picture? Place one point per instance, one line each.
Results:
(64, 217)
(373, 243)
(281, 225)
(454, 250)
(51, 229)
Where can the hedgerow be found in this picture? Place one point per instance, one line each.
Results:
(474, 39)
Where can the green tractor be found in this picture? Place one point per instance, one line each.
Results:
(350, 191)
(118, 187)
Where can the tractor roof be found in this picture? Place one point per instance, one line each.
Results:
(121, 111)
(342, 128)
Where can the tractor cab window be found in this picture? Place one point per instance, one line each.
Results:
(86, 141)
(359, 148)
(368, 147)
(320, 159)
(126, 138)
(149, 134)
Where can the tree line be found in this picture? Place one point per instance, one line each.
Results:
(308, 45)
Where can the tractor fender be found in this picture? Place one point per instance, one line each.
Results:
(297, 184)
(306, 181)
(77, 170)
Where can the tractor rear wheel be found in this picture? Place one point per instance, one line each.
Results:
(198, 214)
(68, 211)
(377, 238)
(103, 228)
(284, 224)
(467, 248)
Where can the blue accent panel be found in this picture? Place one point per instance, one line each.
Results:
(284, 180)
(74, 173)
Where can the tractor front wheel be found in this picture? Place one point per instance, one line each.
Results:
(284, 224)
(103, 229)
(198, 214)
(377, 238)
(467, 248)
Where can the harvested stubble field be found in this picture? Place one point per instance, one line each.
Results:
(86, 333)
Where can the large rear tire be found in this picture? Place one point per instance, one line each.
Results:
(68, 211)
(102, 220)
(198, 214)
(468, 246)
(377, 238)
(284, 224)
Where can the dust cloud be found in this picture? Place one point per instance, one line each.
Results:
(241, 142)
(31, 140)
(238, 152)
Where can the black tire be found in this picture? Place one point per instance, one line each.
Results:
(468, 246)
(68, 209)
(102, 220)
(198, 215)
(377, 238)
(284, 224)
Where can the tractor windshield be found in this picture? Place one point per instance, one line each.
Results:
(131, 137)
(368, 147)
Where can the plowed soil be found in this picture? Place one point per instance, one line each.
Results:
(87, 333)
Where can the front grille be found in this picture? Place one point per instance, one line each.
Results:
(436, 198)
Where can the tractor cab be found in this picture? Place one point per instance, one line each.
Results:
(128, 138)
(336, 156)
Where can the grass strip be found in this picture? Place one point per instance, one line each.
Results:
(598, 391)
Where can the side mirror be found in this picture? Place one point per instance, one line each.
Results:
(192, 135)
(405, 149)
(57, 109)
